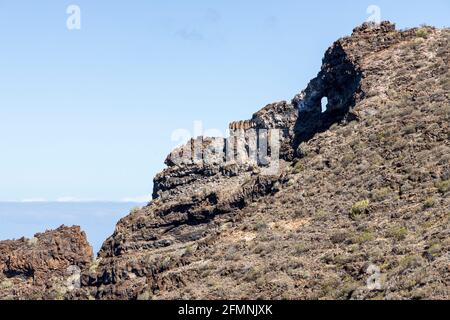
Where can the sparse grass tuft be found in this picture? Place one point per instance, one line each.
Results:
(443, 186)
(298, 167)
(33, 241)
(381, 194)
(144, 296)
(429, 203)
(398, 233)
(260, 226)
(422, 33)
(363, 237)
(435, 249)
(135, 210)
(6, 284)
(359, 208)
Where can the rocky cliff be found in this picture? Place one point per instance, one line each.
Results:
(351, 202)
(47, 266)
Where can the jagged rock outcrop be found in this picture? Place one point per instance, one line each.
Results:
(46, 266)
(340, 78)
(223, 229)
(350, 203)
(206, 181)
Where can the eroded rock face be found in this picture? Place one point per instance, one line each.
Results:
(225, 230)
(44, 267)
(216, 219)
(206, 181)
(340, 78)
(204, 161)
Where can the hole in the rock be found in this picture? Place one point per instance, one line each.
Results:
(324, 103)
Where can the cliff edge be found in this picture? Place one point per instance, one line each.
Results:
(305, 201)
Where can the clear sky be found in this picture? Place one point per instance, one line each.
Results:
(89, 113)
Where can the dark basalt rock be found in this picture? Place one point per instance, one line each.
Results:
(221, 229)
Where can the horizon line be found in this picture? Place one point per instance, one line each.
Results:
(71, 202)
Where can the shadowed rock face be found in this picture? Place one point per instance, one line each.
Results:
(361, 192)
(339, 82)
(340, 79)
(44, 267)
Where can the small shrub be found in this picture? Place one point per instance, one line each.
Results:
(422, 33)
(144, 296)
(135, 210)
(189, 250)
(334, 127)
(339, 237)
(349, 285)
(410, 129)
(321, 215)
(247, 182)
(232, 254)
(300, 249)
(291, 183)
(359, 208)
(260, 226)
(410, 262)
(259, 249)
(347, 159)
(398, 233)
(164, 264)
(253, 274)
(33, 241)
(302, 150)
(434, 250)
(429, 203)
(94, 266)
(443, 186)
(364, 237)
(298, 167)
(381, 194)
(6, 284)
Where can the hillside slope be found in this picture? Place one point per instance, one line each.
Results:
(220, 230)
(358, 206)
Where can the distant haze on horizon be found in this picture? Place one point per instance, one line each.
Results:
(97, 219)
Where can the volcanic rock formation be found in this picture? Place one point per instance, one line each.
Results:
(351, 202)
(48, 266)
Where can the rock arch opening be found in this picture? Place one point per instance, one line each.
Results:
(324, 104)
(329, 97)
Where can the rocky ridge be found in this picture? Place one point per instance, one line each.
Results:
(47, 266)
(360, 191)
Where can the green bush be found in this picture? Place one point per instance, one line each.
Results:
(6, 284)
(422, 33)
(189, 250)
(359, 208)
(298, 167)
(443, 186)
(363, 237)
(429, 203)
(435, 249)
(398, 233)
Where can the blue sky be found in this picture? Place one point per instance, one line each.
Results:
(88, 114)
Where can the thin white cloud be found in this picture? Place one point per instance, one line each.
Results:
(33, 200)
(71, 199)
(139, 199)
